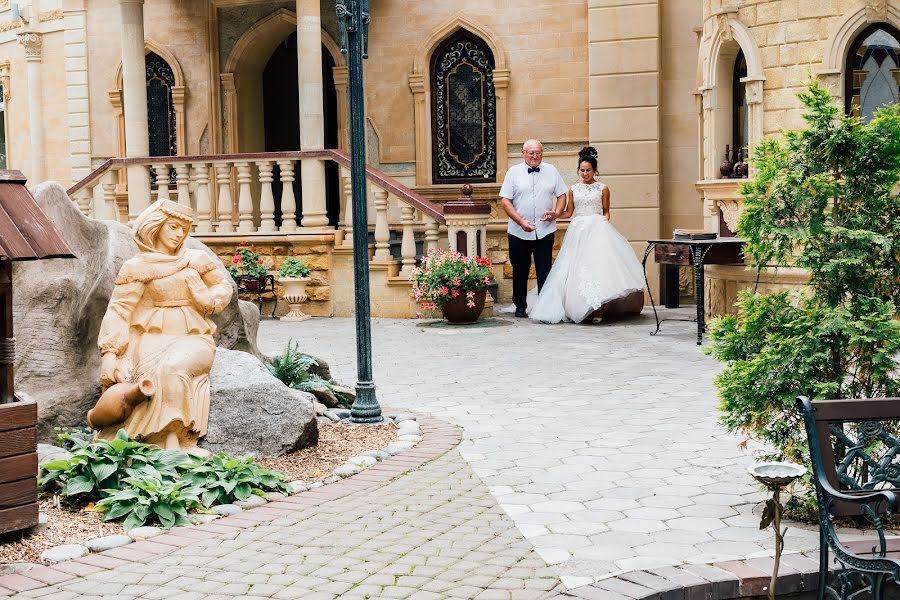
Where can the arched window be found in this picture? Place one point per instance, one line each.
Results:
(872, 75)
(464, 112)
(740, 133)
(160, 107)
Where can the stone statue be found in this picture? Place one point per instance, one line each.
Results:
(156, 340)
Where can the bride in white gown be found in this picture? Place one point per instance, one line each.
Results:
(595, 264)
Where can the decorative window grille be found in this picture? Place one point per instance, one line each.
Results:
(464, 111)
(872, 74)
(160, 108)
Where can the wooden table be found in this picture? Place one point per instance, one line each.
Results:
(696, 254)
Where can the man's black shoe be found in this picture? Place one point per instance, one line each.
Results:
(520, 313)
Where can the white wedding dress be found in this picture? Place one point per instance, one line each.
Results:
(595, 264)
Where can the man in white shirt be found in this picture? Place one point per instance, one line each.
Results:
(532, 192)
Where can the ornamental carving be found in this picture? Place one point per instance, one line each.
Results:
(731, 212)
(724, 27)
(876, 11)
(464, 111)
(32, 42)
(50, 15)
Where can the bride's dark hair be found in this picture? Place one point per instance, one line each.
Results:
(588, 154)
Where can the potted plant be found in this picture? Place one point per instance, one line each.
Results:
(454, 283)
(294, 275)
(247, 267)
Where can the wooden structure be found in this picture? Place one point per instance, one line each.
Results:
(853, 445)
(25, 234)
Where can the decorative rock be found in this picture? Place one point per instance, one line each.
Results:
(407, 431)
(252, 411)
(315, 484)
(63, 553)
(298, 486)
(320, 408)
(203, 518)
(343, 413)
(395, 448)
(273, 496)
(378, 455)
(143, 533)
(347, 469)
(61, 304)
(252, 502)
(323, 421)
(331, 479)
(363, 461)
(107, 542)
(226, 509)
(334, 416)
(407, 424)
(46, 453)
(408, 437)
(405, 417)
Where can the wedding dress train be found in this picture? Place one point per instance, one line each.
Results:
(595, 264)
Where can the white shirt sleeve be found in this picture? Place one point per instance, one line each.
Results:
(561, 187)
(508, 189)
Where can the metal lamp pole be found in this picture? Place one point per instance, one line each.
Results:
(353, 18)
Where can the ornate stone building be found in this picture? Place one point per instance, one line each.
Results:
(661, 88)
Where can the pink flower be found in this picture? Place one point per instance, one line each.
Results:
(444, 290)
(470, 294)
(457, 282)
(466, 272)
(418, 315)
(454, 293)
(470, 304)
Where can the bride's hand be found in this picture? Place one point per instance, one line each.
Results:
(550, 216)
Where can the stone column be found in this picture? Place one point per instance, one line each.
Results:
(32, 42)
(312, 112)
(134, 90)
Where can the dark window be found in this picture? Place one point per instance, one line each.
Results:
(873, 71)
(160, 110)
(740, 136)
(464, 113)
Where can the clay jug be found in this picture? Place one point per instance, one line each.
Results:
(726, 166)
(117, 403)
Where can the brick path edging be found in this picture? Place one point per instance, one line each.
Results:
(438, 438)
(718, 581)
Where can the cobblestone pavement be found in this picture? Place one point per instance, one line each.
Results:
(435, 532)
(601, 442)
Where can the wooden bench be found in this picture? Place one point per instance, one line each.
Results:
(854, 445)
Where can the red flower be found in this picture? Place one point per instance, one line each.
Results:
(235, 259)
(457, 282)
(454, 293)
(444, 290)
(259, 261)
(243, 242)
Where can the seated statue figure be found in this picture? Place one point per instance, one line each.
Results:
(156, 339)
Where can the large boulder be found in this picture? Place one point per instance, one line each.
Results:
(252, 411)
(58, 306)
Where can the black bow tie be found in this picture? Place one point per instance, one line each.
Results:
(534, 170)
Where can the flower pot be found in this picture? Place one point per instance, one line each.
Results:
(295, 295)
(254, 284)
(457, 312)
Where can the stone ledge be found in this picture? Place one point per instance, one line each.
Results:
(730, 580)
(438, 439)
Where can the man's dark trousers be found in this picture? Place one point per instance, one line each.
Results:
(520, 253)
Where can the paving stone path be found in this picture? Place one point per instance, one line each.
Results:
(434, 532)
(601, 442)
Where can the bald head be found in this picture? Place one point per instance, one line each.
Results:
(532, 152)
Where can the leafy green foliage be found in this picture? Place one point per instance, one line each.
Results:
(821, 200)
(446, 274)
(96, 466)
(293, 267)
(225, 478)
(149, 499)
(293, 369)
(140, 483)
(246, 261)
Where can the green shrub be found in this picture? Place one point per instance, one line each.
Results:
(149, 499)
(224, 479)
(821, 200)
(292, 368)
(293, 267)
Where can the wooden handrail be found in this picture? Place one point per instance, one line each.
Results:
(379, 178)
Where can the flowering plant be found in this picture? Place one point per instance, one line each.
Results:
(445, 275)
(246, 261)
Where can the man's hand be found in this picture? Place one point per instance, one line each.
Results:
(550, 215)
(528, 226)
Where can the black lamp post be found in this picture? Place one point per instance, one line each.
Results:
(353, 18)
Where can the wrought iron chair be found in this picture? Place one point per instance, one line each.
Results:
(854, 445)
(260, 287)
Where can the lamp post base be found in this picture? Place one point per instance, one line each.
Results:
(365, 407)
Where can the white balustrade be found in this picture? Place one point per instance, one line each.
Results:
(382, 229)
(245, 199)
(431, 233)
(162, 181)
(225, 206)
(266, 199)
(288, 202)
(204, 208)
(183, 183)
(83, 198)
(348, 209)
(408, 243)
(110, 209)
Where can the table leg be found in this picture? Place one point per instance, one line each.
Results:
(697, 255)
(647, 252)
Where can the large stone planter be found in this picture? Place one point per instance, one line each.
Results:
(457, 311)
(295, 295)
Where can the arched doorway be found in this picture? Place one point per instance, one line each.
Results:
(281, 119)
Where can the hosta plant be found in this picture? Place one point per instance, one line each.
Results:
(222, 479)
(148, 499)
